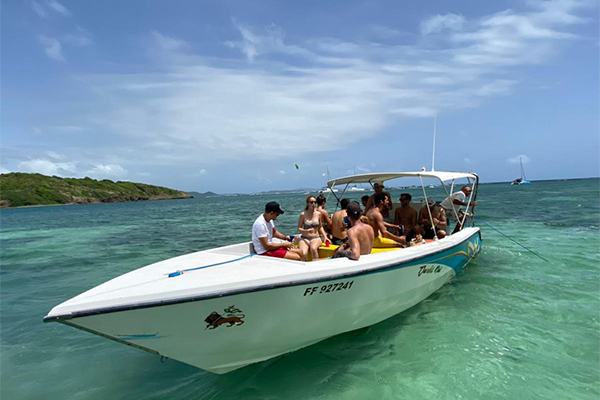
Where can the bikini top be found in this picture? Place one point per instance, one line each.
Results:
(309, 224)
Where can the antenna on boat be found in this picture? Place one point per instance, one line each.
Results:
(433, 152)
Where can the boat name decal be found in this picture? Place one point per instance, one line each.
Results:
(232, 316)
(429, 269)
(328, 288)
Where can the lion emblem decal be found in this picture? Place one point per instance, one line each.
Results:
(232, 316)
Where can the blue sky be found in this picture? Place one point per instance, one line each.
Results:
(228, 96)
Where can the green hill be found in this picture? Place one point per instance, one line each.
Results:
(205, 194)
(19, 189)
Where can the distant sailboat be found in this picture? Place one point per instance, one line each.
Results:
(522, 180)
(326, 189)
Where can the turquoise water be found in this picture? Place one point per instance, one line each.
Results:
(510, 326)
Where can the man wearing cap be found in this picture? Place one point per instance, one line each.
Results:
(438, 215)
(263, 232)
(378, 187)
(360, 235)
(452, 204)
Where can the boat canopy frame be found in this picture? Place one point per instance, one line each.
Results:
(443, 177)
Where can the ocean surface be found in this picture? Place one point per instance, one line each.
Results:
(510, 326)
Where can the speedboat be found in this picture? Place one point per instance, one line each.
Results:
(225, 308)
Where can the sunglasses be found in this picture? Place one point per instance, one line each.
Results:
(312, 202)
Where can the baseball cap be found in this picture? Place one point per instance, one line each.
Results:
(354, 209)
(431, 201)
(377, 184)
(273, 206)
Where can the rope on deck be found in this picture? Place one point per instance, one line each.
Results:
(180, 272)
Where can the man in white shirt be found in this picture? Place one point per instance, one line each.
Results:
(263, 232)
(452, 205)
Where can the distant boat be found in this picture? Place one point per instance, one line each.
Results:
(355, 189)
(326, 189)
(522, 180)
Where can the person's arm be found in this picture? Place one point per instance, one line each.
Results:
(350, 249)
(460, 203)
(390, 205)
(274, 246)
(393, 226)
(325, 216)
(321, 228)
(423, 218)
(354, 244)
(397, 216)
(442, 219)
(384, 232)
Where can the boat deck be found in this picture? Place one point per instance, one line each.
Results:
(233, 268)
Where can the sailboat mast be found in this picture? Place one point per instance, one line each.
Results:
(522, 170)
(433, 152)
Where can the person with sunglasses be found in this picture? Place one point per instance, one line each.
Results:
(263, 232)
(405, 216)
(310, 225)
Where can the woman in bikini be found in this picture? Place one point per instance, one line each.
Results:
(310, 226)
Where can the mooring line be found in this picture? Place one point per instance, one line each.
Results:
(177, 273)
(508, 237)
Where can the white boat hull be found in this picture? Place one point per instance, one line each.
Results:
(275, 319)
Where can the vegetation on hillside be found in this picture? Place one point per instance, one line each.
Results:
(20, 189)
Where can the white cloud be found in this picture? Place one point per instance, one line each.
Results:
(81, 38)
(36, 129)
(37, 7)
(253, 44)
(439, 23)
(4, 170)
(56, 6)
(47, 167)
(203, 172)
(167, 42)
(515, 160)
(54, 155)
(282, 172)
(329, 89)
(52, 47)
(100, 171)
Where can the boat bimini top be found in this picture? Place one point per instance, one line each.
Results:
(386, 176)
(443, 177)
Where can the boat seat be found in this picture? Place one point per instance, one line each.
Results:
(325, 252)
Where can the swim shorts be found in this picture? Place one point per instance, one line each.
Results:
(279, 253)
(338, 241)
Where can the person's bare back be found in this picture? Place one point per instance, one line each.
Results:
(360, 236)
(364, 235)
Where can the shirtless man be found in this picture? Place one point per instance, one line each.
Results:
(405, 214)
(339, 228)
(439, 219)
(378, 187)
(383, 238)
(360, 235)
